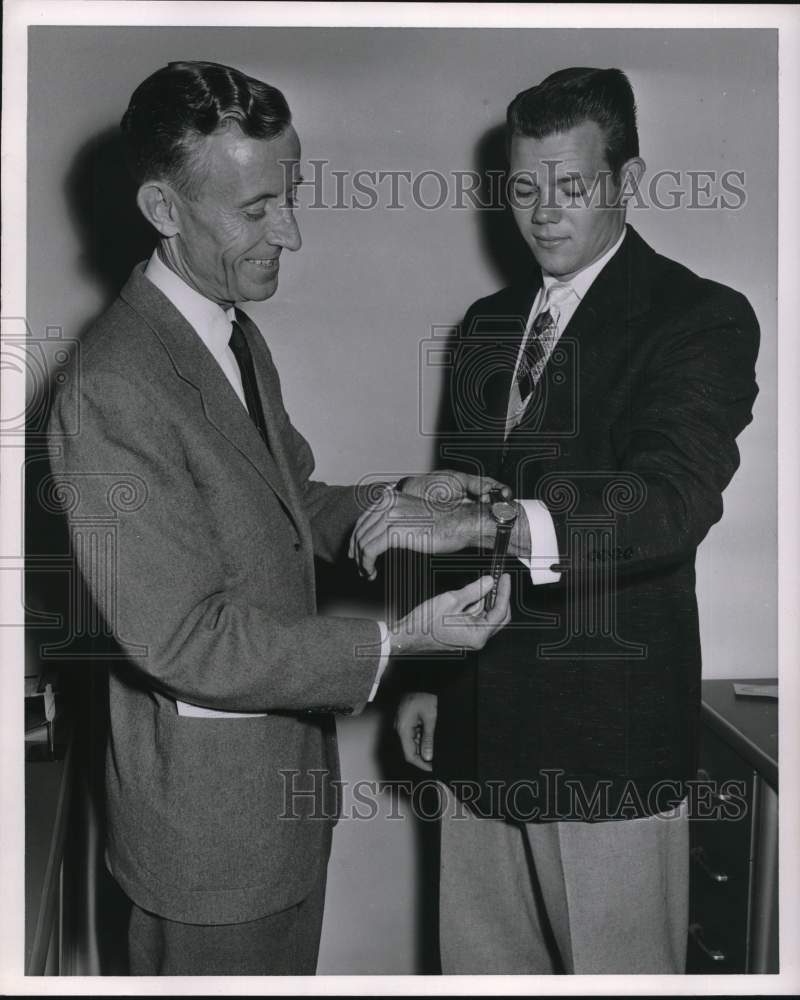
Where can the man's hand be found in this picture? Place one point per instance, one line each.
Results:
(399, 521)
(415, 723)
(446, 487)
(453, 621)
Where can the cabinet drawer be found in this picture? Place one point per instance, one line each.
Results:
(723, 812)
(721, 848)
(718, 917)
(721, 851)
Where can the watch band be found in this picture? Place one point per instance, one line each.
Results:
(505, 519)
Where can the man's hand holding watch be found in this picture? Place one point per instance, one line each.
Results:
(441, 512)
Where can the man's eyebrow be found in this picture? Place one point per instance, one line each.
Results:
(268, 194)
(258, 197)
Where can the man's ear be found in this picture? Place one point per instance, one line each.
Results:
(157, 203)
(631, 174)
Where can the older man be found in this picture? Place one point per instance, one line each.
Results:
(609, 390)
(222, 745)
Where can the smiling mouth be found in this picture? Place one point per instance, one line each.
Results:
(264, 264)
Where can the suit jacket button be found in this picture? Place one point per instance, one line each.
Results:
(297, 544)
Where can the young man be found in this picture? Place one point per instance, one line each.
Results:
(610, 392)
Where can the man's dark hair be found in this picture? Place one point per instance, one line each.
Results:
(179, 104)
(573, 96)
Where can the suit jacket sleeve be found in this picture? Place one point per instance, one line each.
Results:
(676, 446)
(205, 642)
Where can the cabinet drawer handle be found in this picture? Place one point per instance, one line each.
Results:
(698, 855)
(696, 934)
(704, 776)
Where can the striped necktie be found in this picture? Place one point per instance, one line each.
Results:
(538, 348)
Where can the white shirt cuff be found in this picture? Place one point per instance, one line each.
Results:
(544, 544)
(386, 648)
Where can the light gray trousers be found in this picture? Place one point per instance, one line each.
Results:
(587, 898)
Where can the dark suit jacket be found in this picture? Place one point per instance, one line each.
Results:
(210, 591)
(590, 698)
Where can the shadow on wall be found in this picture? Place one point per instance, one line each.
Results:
(503, 249)
(101, 197)
(503, 246)
(113, 236)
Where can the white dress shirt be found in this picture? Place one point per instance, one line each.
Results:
(212, 324)
(544, 544)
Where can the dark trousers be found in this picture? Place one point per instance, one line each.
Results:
(281, 944)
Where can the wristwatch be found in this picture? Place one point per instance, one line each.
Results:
(504, 514)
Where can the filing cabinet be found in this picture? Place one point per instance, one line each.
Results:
(734, 837)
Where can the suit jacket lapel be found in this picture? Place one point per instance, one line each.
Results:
(195, 364)
(620, 292)
(269, 387)
(600, 328)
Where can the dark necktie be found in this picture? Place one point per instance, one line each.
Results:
(244, 359)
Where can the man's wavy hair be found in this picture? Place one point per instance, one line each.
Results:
(569, 98)
(172, 110)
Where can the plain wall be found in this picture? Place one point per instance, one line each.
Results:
(355, 304)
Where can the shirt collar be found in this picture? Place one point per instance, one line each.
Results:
(208, 319)
(582, 281)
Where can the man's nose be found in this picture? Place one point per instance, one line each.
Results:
(545, 212)
(284, 231)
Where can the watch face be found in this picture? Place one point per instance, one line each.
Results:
(504, 512)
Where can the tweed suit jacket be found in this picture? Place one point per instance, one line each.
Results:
(588, 702)
(212, 599)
